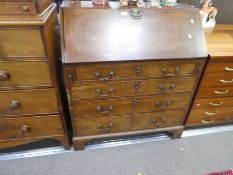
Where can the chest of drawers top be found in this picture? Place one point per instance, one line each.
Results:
(109, 34)
(23, 7)
(220, 41)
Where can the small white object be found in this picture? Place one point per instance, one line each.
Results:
(124, 13)
(190, 36)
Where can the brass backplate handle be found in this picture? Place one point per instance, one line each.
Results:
(106, 128)
(167, 89)
(167, 74)
(221, 92)
(104, 110)
(226, 81)
(211, 113)
(108, 93)
(228, 69)
(207, 122)
(166, 104)
(108, 77)
(215, 104)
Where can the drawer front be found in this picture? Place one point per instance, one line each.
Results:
(23, 102)
(19, 74)
(21, 42)
(214, 92)
(213, 116)
(131, 88)
(213, 103)
(220, 67)
(104, 125)
(114, 71)
(17, 8)
(87, 108)
(27, 127)
(217, 80)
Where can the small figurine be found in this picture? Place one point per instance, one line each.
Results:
(140, 3)
(124, 3)
(168, 3)
(155, 3)
(208, 14)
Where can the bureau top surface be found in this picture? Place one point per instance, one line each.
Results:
(220, 41)
(94, 34)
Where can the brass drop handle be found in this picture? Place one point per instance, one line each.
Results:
(4, 75)
(25, 8)
(228, 69)
(138, 70)
(163, 120)
(14, 105)
(134, 100)
(108, 93)
(216, 104)
(103, 110)
(226, 81)
(166, 104)
(221, 92)
(167, 89)
(108, 127)
(25, 129)
(167, 74)
(211, 113)
(207, 122)
(109, 76)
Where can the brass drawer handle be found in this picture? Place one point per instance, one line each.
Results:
(14, 105)
(167, 89)
(108, 127)
(137, 84)
(25, 129)
(166, 104)
(207, 122)
(25, 8)
(211, 113)
(163, 121)
(228, 69)
(221, 92)
(104, 110)
(99, 91)
(138, 70)
(167, 74)
(109, 76)
(4, 75)
(216, 104)
(226, 81)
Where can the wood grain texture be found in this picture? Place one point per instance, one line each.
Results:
(13, 128)
(87, 126)
(29, 102)
(217, 80)
(110, 40)
(17, 8)
(214, 92)
(220, 67)
(23, 74)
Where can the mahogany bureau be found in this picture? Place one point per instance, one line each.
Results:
(213, 103)
(128, 74)
(30, 105)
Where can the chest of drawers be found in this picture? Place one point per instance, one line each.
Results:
(30, 105)
(213, 102)
(123, 76)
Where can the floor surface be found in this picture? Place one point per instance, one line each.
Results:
(195, 155)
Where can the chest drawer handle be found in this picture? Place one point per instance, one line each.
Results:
(99, 91)
(167, 74)
(138, 70)
(216, 104)
(207, 122)
(110, 75)
(211, 113)
(167, 89)
(221, 92)
(106, 128)
(25, 129)
(226, 81)
(166, 104)
(103, 110)
(163, 121)
(4, 75)
(25, 8)
(14, 105)
(228, 69)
